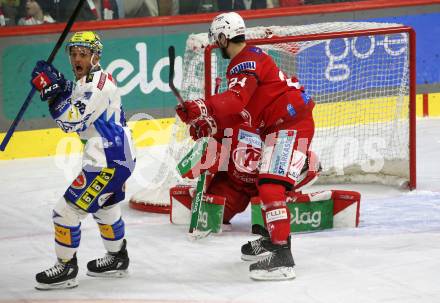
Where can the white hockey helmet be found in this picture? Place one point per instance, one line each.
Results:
(229, 24)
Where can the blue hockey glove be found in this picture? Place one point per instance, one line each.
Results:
(48, 80)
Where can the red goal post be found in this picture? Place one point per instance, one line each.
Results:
(362, 78)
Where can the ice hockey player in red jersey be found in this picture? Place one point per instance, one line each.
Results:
(282, 112)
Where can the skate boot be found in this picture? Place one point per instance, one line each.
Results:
(112, 265)
(61, 275)
(278, 265)
(259, 248)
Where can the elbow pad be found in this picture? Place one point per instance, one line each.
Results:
(227, 103)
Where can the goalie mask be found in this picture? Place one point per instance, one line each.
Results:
(228, 24)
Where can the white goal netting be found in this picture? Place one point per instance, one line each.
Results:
(358, 75)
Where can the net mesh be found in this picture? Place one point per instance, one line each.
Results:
(360, 85)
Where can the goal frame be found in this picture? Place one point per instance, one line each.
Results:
(412, 183)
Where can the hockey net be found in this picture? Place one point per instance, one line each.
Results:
(360, 75)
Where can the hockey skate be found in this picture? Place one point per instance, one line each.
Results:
(61, 275)
(111, 265)
(259, 248)
(278, 265)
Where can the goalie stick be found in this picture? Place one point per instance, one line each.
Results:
(172, 58)
(194, 233)
(196, 205)
(200, 188)
(28, 100)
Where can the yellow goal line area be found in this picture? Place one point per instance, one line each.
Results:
(53, 141)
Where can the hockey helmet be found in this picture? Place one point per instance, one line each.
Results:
(87, 39)
(229, 24)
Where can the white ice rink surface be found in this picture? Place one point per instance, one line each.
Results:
(394, 256)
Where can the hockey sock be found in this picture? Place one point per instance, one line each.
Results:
(67, 225)
(111, 227)
(275, 212)
(67, 239)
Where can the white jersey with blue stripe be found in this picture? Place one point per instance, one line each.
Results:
(94, 111)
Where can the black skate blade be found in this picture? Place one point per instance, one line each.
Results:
(72, 283)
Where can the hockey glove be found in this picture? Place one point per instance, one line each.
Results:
(204, 127)
(192, 110)
(48, 80)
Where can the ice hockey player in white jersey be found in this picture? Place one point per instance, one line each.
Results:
(91, 107)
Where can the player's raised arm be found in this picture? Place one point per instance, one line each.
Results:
(228, 32)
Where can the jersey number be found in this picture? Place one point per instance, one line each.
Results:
(81, 107)
(234, 81)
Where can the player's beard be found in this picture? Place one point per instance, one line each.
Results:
(224, 53)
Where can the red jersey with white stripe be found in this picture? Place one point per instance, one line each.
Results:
(260, 93)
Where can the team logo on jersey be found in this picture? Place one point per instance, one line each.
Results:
(80, 181)
(103, 198)
(246, 159)
(246, 65)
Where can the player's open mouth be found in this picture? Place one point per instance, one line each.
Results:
(78, 68)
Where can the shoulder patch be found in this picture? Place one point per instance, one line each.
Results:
(256, 50)
(101, 81)
(246, 65)
(89, 78)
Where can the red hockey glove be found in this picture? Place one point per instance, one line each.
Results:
(204, 127)
(192, 110)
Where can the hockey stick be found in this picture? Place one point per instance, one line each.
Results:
(172, 57)
(196, 206)
(49, 60)
(200, 187)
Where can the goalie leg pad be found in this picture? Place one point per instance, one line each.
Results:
(309, 173)
(111, 227)
(237, 195)
(67, 223)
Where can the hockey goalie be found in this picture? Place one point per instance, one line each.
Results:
(231, 162)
